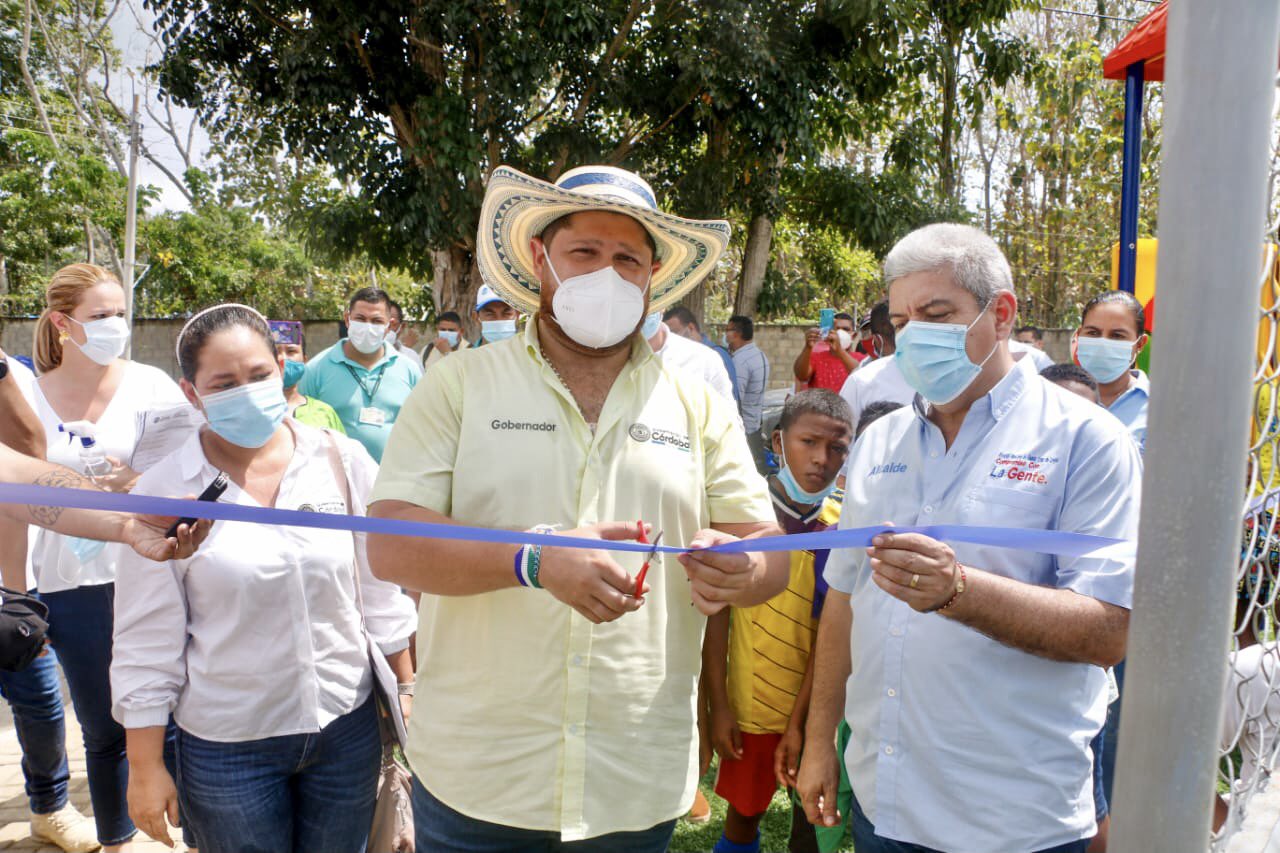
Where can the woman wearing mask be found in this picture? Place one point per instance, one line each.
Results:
(1111, 334)
(306, 410)
(78, 343)
(1107, 344)
(255, 644)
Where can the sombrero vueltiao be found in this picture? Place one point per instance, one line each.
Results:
(518, 207)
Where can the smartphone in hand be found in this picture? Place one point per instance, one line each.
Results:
(211, 493)
(826, 321)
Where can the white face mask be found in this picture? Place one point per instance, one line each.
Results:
(393, 337)
(104, 340)
(846, 339)
(366, 337)
(598, 309)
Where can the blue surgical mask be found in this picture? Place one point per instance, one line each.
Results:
(652, 323)
(293, 371)
(450, 337)
(933, 359)
(84, 549)
(797, 492)
(497, 330)
(1106, 360)
(247, 415)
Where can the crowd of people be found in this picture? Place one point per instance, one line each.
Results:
(226, 675)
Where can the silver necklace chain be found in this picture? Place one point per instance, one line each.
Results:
(554, 370)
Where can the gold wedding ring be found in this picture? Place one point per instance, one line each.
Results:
(915, 579)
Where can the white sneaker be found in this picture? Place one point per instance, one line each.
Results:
(67, 828)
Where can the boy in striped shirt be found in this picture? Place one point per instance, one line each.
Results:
(756, 660)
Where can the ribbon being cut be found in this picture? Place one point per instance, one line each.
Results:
(1058, 542)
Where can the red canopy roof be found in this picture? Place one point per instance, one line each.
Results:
(1145, 43)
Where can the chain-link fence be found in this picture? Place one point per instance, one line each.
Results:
(1246, 814)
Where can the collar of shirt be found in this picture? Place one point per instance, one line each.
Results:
(1139, 387)
(641, 352)
(792, 520)
(997, 402)
(338, 355)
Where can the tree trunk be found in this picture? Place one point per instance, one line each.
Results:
(947, 183)
(755, 262)
(696, 301)
(454, 286)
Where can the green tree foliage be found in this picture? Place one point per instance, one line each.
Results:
(1049, 153)
(814, 269)
(47, 197)
(411, 104)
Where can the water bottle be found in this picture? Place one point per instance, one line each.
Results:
(92, 458)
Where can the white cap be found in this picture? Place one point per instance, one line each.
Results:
(485, 295)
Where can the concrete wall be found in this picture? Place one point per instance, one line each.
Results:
(153, 342)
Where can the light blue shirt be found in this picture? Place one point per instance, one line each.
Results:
(1131, 407)
(353, 390)
(959, 742)
(752, 375)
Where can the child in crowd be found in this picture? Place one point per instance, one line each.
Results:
(756, 660)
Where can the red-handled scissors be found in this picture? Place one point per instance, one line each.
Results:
(643, 539)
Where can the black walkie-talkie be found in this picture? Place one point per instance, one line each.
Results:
(211, 493)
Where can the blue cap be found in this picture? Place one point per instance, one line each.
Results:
(486, 295)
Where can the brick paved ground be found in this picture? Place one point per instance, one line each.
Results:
(15, 832)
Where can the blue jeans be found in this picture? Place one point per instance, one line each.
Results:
(80, 629)
(440, 829)
(1101, 808)
(36, 701)
(304, 793)
(1111, 736)
(865, 839)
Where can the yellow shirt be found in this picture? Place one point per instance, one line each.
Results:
(528, 714)
(770, 644)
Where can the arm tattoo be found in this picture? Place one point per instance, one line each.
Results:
(46, 516)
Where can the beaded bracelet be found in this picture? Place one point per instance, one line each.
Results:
(960, 585)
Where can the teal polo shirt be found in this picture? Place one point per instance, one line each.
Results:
(367, 400)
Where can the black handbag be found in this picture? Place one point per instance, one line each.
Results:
(24, 622)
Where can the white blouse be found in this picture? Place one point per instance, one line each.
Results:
(143, 387)
(257, 634)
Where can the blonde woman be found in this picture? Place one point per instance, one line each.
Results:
(78, 343)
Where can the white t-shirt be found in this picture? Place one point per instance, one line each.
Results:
(1039, 356)
(26, 381)
(697, 360)
(409, 354)
(142, 387)
(880, 379)
(22, 375)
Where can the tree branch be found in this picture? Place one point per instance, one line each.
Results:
(24, 54)
(603, 68)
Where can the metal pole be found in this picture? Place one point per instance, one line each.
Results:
(1221, 69)
(131, 222)
(1131, 176)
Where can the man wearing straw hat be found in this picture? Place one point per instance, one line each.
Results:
(558, 699)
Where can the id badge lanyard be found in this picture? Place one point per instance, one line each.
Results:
(364, 385)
